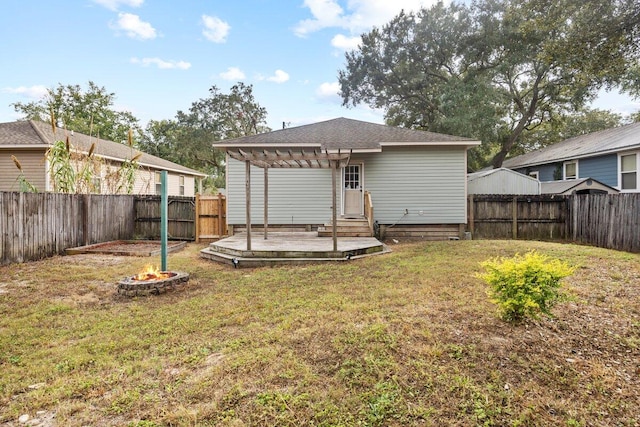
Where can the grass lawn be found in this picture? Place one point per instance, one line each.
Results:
(408, 338)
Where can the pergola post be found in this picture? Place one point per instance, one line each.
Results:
(334, 215)
(247, 173)
(266, 201)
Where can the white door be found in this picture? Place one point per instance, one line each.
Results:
(353, 196)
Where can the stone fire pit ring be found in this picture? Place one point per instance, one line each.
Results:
(132, 287)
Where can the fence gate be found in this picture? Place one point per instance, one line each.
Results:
(211, 214)
(180, 213)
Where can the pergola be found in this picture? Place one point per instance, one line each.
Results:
(266, 159)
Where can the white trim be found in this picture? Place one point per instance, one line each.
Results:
(535, 175)
(264, 144)
(430, 143)
(637, 171)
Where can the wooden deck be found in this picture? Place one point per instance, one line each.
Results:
(289, 248)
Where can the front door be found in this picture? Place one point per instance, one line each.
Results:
(352, 191)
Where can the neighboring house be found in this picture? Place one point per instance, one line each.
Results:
(611, 157)
(501, 181)
(29, 140)
(409, 177)
(576, 186)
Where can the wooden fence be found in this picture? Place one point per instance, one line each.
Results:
(211, 212)
(38, 225)
(180, 217)
(518, 217)
(605, 220)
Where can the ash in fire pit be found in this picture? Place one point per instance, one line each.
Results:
(151, 281)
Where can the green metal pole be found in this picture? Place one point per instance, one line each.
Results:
(164, 207)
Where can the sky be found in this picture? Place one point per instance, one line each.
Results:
(160, 56)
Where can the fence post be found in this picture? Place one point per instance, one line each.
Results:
(514, 224)
(471, 215)
(574, 217)
(197, 231)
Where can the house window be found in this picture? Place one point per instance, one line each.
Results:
(181, 185)
(535, 175)
(571, 170)
(158, 181)
(628, 172)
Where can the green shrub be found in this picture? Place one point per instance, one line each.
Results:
(524, 286)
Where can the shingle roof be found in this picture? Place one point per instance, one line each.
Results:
(596, 143)
(559, 187)
(345, 134)
(38, 134)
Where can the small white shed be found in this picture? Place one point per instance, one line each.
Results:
(501, 181)
(577, 186)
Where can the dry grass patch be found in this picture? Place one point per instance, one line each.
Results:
(408, 338)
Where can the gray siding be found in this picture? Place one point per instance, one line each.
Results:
(296, 196)
(602, 168)
(429, 183)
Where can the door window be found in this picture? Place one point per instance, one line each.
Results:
(352, 177)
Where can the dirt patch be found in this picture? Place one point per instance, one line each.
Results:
(127, 248)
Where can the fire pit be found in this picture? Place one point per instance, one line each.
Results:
(151, 281)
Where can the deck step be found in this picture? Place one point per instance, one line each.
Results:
(347, 227)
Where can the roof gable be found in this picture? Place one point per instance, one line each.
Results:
(593, 144)
(345, 134)
(33, 133)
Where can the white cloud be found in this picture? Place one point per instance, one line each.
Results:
(34, 92)
(329, 91)
(134, 27)
(215, 29)
(115, 4)
(360, 16)
(279, 77)
(233, 73)
(161, 63)
(345, 43)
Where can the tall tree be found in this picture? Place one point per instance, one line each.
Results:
(87, 111)
(494, 70)
(187, 138)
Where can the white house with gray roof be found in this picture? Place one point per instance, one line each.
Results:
(29, 140)
(412, 178)
(611, 156)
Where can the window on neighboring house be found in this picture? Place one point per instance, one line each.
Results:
(535, 174)
(158, 181)
(181, 185)
(571, 170)
(628, 172)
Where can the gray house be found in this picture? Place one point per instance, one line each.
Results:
(407, 182)
(29, 140)
(610, 156)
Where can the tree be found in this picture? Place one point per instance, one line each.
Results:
(87, 111)
(495, 70)
(187, 138)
